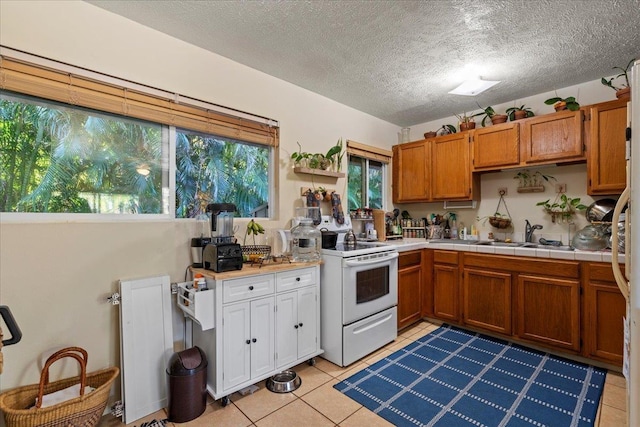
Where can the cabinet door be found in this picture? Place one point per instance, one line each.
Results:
(307, 321)
(606, 162)
(236, 343)
(496, 146)
(411, 172)
(410, 279)
(549, 311)
(605, 308)
(287, 328)
(262, 336)
(486, 300)
(451, 167)
(553, 137)
(445, 292)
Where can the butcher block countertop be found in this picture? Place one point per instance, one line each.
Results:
(254, 269)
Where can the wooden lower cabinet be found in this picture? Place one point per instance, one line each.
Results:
(410, 287)
(486, 297)
(446, 293)
(549, 311)
(604, 310)
(569, 306)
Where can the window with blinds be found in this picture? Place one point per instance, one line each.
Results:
(367, 181)
(74, 141)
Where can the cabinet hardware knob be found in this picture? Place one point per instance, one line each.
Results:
(297, 279)
(248, 342)
(295, 326)
(254, 340)
(250, 288)
(301, 325)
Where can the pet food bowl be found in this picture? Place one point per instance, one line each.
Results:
(284, 382)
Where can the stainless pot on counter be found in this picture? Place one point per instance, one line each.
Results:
(591, 238)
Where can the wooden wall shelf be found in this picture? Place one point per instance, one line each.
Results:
(320, 172)
(531, 189)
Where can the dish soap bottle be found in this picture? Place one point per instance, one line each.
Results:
(454, 227)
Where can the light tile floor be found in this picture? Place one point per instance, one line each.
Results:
(317, 403)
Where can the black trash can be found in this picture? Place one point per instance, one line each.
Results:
(187, 373)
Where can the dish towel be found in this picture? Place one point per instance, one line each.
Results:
(336, 208)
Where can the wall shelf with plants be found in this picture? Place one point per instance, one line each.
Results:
(316, 171)
(329, 164)
(532, 182)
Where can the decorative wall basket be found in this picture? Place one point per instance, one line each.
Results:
(501, 221)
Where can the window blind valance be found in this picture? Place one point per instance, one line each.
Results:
(69, 88)
(368, 151)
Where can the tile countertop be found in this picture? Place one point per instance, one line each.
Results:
(577, 255)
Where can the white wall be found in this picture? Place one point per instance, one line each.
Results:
(56, 276)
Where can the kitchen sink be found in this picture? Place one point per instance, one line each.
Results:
(453, 241)
(551, 247)
(501, 244)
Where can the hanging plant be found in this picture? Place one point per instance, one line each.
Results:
(563, 208)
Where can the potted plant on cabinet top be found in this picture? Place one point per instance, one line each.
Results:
(560, 104)
(466, 121)
(623, 90)
(446, 130)
(517, 113)
(490, 113)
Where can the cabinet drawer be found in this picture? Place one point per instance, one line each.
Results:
(247, 287)
(409, 259)
(288, 280)
(602, 272)
(445, 257)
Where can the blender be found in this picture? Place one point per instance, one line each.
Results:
(222, 222)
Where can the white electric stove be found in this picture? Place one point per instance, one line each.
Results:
(359, 296)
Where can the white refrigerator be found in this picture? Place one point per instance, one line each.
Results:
(629, 282)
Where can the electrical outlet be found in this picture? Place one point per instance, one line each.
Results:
(561, 188)
(502, 191)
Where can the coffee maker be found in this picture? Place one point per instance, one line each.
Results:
(198, 243)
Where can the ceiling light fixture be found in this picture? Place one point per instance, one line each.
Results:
(473, 87)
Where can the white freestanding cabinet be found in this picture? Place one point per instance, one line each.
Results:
(266, 320)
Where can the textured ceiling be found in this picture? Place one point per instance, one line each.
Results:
(397, 60)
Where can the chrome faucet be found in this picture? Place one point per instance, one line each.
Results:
(529, 229)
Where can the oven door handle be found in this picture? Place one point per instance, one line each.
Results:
(389, 257)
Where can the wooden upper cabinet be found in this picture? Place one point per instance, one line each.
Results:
(451, 167)
(553, 137)
(496, 146)
(411, 175)
(606, 144)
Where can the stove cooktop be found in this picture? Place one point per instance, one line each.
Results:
(359, 249)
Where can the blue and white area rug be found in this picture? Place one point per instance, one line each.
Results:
(453, 377)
